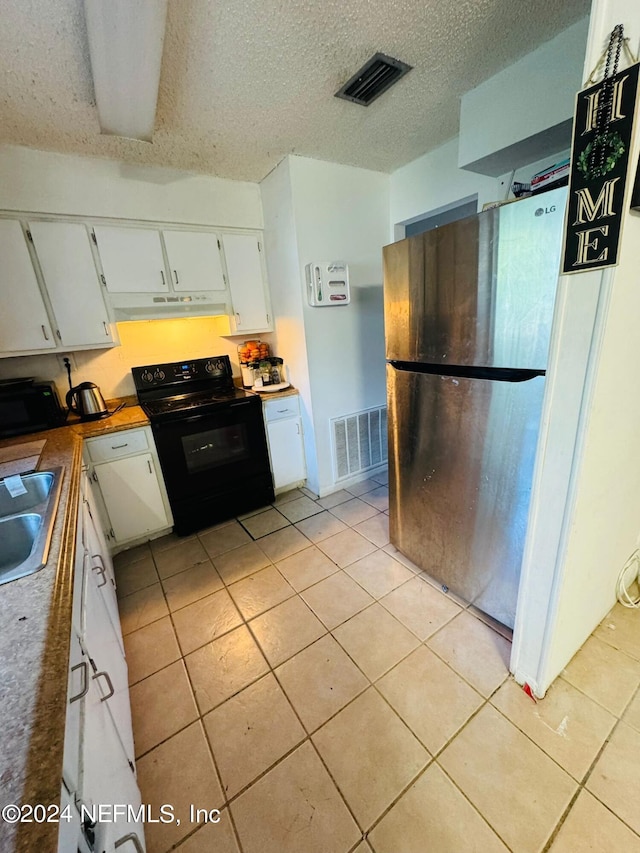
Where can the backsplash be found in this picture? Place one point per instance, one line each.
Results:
(143, 342)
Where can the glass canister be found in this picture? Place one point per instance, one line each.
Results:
(277, 370)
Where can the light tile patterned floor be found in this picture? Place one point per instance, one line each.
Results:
(292, 669)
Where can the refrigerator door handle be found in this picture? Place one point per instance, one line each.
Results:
(500, 374)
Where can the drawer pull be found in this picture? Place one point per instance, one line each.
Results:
(85, 681)
(282, 411)
(131, 836)
(119, 446)
(44, 332)
(100, 570)
(109, 684)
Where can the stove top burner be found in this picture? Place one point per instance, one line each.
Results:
(184, 388)
(190, 402)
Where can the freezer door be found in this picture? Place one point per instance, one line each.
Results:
(477, 292)
(461, 455)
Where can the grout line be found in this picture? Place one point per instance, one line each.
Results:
(191, 687)
(578, 782)
(486, 700)
(474, 807)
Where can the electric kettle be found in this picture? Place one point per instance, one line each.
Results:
(87, 401)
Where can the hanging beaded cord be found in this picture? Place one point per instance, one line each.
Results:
(606, 147)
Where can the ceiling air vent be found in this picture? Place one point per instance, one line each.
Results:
(374, 78)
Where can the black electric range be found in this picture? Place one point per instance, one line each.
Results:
(210, 439)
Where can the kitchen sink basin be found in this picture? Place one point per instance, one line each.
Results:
(18, 536)
(38, 487)
(26, 524)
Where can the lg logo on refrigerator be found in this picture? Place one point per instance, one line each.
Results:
(541, 211)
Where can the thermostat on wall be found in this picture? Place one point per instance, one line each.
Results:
(328, 284)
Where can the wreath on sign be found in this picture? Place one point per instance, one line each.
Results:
(613, 148)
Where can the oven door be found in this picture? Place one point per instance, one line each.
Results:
(214, 453)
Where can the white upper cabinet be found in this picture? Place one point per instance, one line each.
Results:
(132, 260)
(24, 324)
(71, 280)
(194, 260)
(247, 283)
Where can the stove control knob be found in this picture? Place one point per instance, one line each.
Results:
(147, 376)
(159, 375)
(209, 367)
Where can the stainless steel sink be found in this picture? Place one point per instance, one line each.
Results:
(38, 487)
(26, 524)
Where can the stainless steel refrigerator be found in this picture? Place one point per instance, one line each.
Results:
(468, 312)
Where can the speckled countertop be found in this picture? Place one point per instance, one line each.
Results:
(35, 626)
(275, 395)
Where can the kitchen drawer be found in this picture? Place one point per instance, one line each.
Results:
(285, 407)
(117, 444)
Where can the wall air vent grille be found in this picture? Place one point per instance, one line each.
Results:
(359, 442)
(375, 77)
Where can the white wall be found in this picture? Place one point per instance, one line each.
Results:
(281, 253)
(319, 211)
(40, 181)
(59, 183)
(341, 213)
(588, 511)
(524, 112)
(435, 180)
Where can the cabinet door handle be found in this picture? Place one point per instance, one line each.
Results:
(149, 464)
(100, 570)
(106, 331)
(238, 318)
(107, 678)
(133, 838)
(94, 477)
(58, 334)
(163, 281)
(175, 272)
(298, 428)
(44, 332)
(83, 665)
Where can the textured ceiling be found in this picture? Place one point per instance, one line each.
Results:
(245, 82)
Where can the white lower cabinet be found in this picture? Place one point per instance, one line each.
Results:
(99, 575)
(285, 440)
(126, 474)
(98, 764)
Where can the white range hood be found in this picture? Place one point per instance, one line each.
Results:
(160, 306)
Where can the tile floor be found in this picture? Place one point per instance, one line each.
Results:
(292, 669)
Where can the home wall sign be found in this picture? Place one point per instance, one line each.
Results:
(602, 135)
